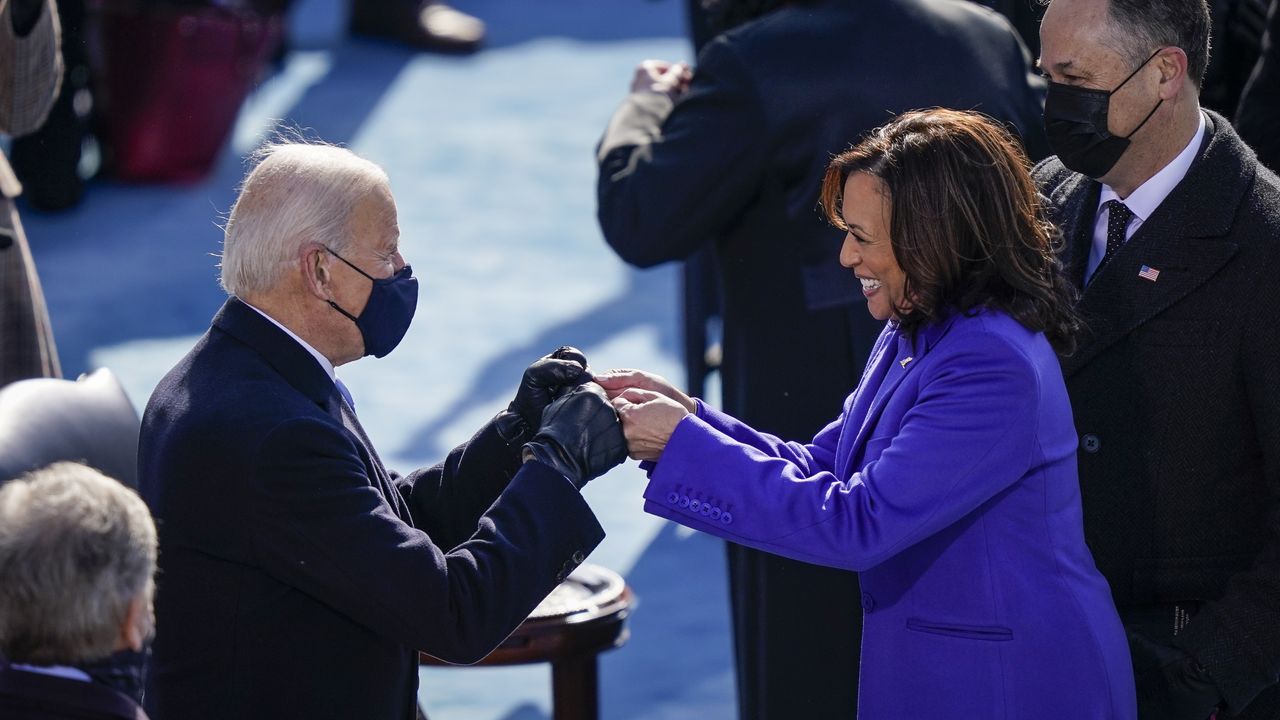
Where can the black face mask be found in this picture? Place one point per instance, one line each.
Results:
(389, 312)
(1075, 120)
(123, 671)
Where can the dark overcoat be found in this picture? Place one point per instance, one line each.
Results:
(1176, 394)
(298, 576)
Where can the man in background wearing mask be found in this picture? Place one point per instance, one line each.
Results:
(77, 557)
(300, 577)
(1172, 232)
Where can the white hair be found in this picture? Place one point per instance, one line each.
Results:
(76, 548)
(297, 193)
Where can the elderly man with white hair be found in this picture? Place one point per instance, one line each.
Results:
(77, 556)
(300, 577)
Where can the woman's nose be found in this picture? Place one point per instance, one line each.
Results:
(849, 251)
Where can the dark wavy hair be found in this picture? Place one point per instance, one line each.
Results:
(966, 224)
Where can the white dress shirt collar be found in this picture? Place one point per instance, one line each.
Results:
(61, 671)
(1144, 200)
(324, 361)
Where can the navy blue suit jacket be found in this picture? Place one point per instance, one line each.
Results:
(35, 696)
(298, 576)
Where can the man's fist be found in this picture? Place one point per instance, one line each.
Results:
(580, 436)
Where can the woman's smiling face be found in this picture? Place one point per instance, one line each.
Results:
(867, 249)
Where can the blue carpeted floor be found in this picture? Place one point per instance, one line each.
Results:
(491, 160)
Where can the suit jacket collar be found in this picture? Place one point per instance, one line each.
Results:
(905, 354)
(282, 352)
(71, 698)
(1185, 240)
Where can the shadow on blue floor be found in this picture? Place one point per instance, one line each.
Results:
(680, 643)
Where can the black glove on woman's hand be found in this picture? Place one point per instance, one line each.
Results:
(580, 436)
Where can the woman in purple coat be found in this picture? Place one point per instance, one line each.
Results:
(949, 481)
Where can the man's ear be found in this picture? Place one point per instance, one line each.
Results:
(314, 262)
(136, 629)
(1172, 62)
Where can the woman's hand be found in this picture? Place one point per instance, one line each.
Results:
(648, 419)
(615, 382)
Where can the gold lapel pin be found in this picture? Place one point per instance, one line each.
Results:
(903, 362)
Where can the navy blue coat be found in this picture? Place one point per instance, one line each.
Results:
(298, 576)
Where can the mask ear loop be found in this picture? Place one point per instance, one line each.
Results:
(353, 267)
(333, 304)
(1113, 92)
(1145, 119)
(349, 316)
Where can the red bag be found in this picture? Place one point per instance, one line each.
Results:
(171, 80)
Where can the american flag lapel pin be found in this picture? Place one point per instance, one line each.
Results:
(1149, 273)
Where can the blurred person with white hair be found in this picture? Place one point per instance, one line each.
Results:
(300, 577)
(77, 556)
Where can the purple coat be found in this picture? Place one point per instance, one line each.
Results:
(949, 483)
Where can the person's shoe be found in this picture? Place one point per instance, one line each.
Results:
(424, 24)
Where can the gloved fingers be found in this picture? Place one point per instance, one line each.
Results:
(552, 372)
(577, 408)
(569, 352)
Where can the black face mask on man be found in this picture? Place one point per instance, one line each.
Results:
(389, 312)
(1075, 120)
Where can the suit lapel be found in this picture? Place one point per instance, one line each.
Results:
(378, 474)
(905, 357)
(1183, 241)
(301, 370)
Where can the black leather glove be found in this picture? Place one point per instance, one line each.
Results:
(1171, 684)
(580, 436)
(543, 381)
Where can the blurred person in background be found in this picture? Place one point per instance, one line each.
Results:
(301, 577)
(77, 557)
(1172, 234)
(153, 87)
(1258, 117)
(424, 24)
(732, 155)
(30, 72)
(1236, 28)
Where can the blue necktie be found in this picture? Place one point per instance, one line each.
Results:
(346, 394)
